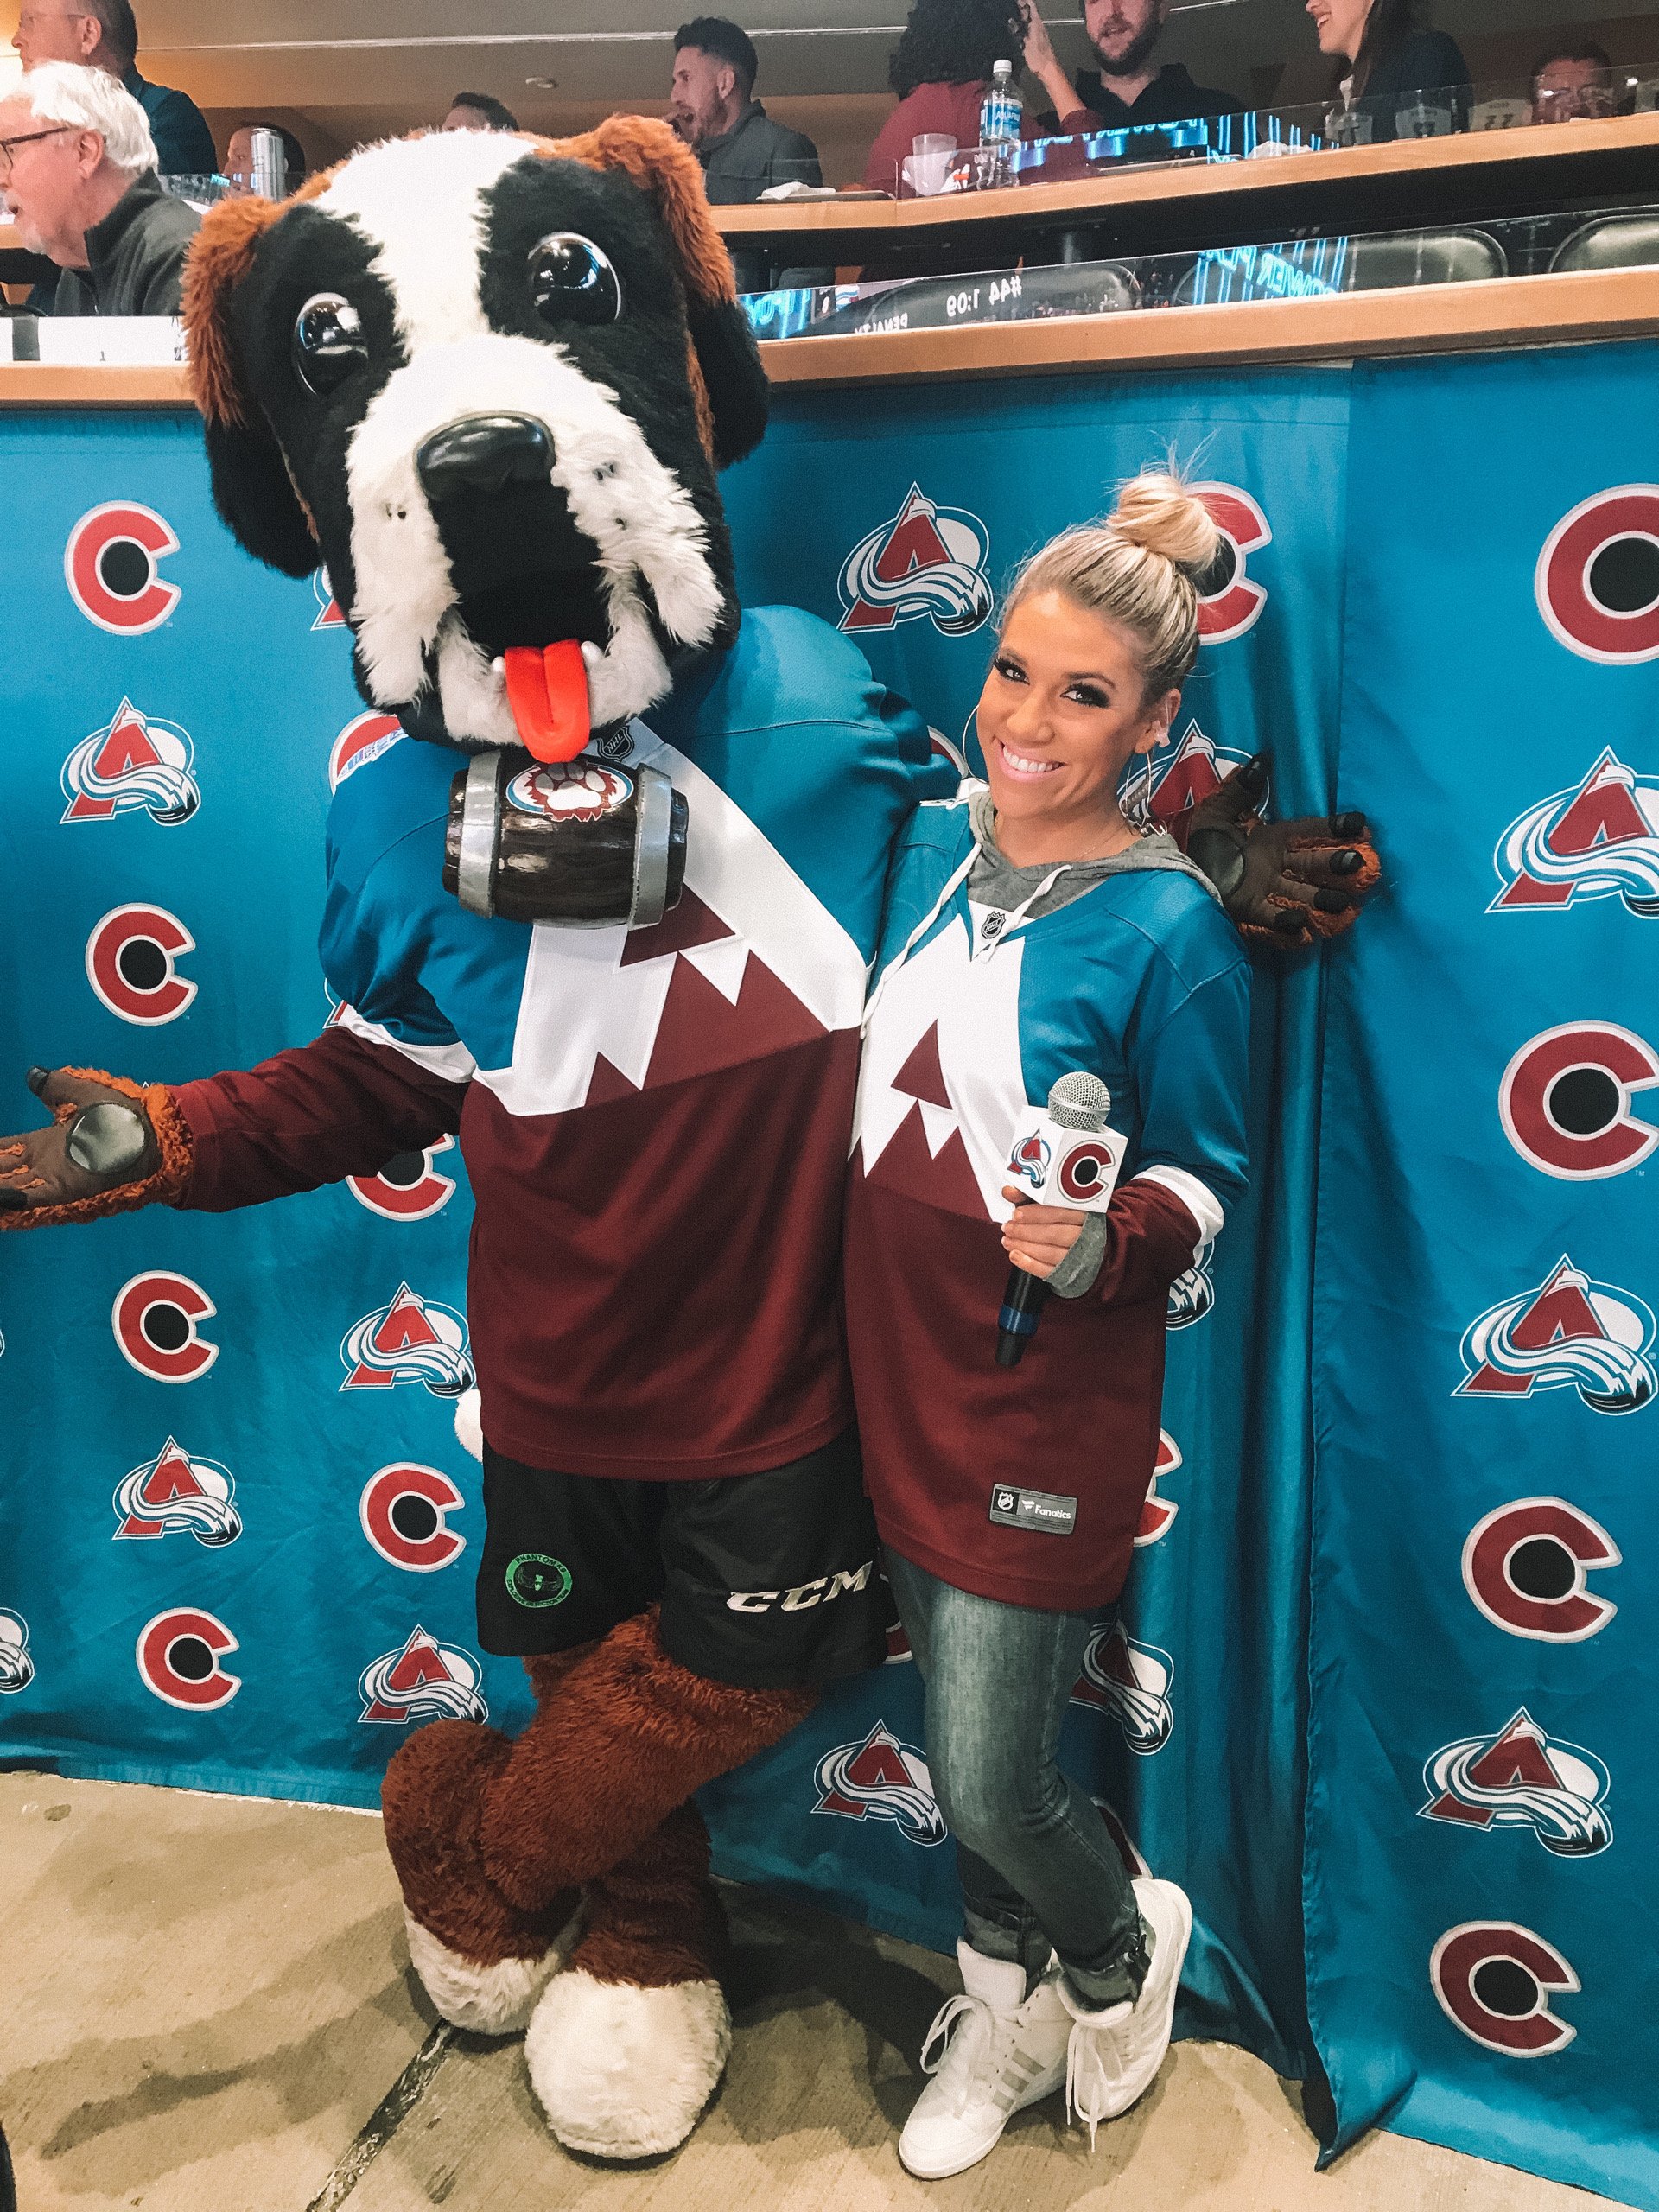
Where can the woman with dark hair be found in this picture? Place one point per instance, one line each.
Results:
(1390, 59)
(941, 70)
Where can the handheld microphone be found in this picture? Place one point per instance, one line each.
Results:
(1063, 1156)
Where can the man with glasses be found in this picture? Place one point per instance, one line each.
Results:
(1573, 84)
(103, 34)
(78, 172)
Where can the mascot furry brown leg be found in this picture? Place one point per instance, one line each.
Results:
(606, 912)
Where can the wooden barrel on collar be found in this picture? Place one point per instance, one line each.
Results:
(581, 842)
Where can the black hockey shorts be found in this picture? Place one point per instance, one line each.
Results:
(769, 1581)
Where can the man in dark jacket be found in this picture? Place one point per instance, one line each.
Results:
(103, 34)
(1129, 87)
(743, 152)
(77, 168)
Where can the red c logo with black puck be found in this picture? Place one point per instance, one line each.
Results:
(1229, 601)
(178, 1656)
(109, 565)
(1494, 1979)
(129, 957)
(1525, 1565)
(1597, 576)
(154, 1318)
(403, 1509)
(1565, 1100)
(408, 1188)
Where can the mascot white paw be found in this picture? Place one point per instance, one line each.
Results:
(469, 1423)
(491, 2000)
(624, 2072)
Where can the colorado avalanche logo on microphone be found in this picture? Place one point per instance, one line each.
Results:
(424, 1680)
(410, 1339)
(1028, 1162)
(927, 564)
(17, 1668)
(1570, 1334)
(1520, 1779)
(134, 765)
(178, 1494)
(1130, 1681)
(1599, 839)
(881, 1779)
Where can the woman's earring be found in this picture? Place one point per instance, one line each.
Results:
(1140, 806)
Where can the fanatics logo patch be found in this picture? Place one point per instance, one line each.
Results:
(1033, 1509)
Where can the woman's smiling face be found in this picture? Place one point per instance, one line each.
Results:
(1061, 713)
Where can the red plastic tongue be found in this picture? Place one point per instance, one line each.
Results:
(548, 694)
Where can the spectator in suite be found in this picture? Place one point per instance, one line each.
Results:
(103, 34)
(941, 70)
(743, 152)
(1573, 83)
(239, 155)
(78, 167)
(1129, 87)
(712, 106)
(479, 111)
(1391, 59)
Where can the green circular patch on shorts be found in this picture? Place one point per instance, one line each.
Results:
(534, 1581)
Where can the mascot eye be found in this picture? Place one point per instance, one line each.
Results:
(571, 281)
(328, 343)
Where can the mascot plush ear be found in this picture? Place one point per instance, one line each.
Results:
(253, 490)
(727, 375)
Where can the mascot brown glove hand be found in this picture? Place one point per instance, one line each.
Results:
(1283, 883)
(111, 1145)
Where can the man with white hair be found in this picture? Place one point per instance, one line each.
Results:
(78, 170)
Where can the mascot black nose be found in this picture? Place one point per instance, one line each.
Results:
(484, 453)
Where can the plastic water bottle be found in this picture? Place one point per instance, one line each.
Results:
(999, 111)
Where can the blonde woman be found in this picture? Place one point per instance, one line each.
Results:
(1035, 930)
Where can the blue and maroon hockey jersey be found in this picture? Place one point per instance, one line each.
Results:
(655, 1122)
(1142, 981)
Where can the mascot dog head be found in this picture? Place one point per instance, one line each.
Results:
(487, 380)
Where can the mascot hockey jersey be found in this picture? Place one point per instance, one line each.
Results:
(655, 1122)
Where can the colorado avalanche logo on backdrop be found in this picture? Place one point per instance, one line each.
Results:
(881, 1779)
(1570, 1334)
(17, 1668)
(1565, 1100)
(410, 1339)
(927, 563)
(109, 564)
(1131, 1681)
(1519, 1779)
(134, 765)
(1494, 1979)
(1597, 576)
(1599, 839)
(1527, 1567)
(176, 1494)
(1230, 601)
(1184, 771)
(424, 1680)
(1158, 1514)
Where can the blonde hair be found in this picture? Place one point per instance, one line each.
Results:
(1140, 568)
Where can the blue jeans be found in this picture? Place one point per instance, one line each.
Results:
(1039, 1868)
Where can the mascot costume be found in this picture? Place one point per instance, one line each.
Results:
(607, 912)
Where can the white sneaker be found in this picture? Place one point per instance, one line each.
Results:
(991, 2051)
(1114, 2056)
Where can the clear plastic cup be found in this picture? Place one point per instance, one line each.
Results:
(930, 162)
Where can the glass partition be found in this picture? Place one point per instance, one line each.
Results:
(939, 167)
(1526, 245)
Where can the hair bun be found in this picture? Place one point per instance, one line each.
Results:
(1156, 512)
